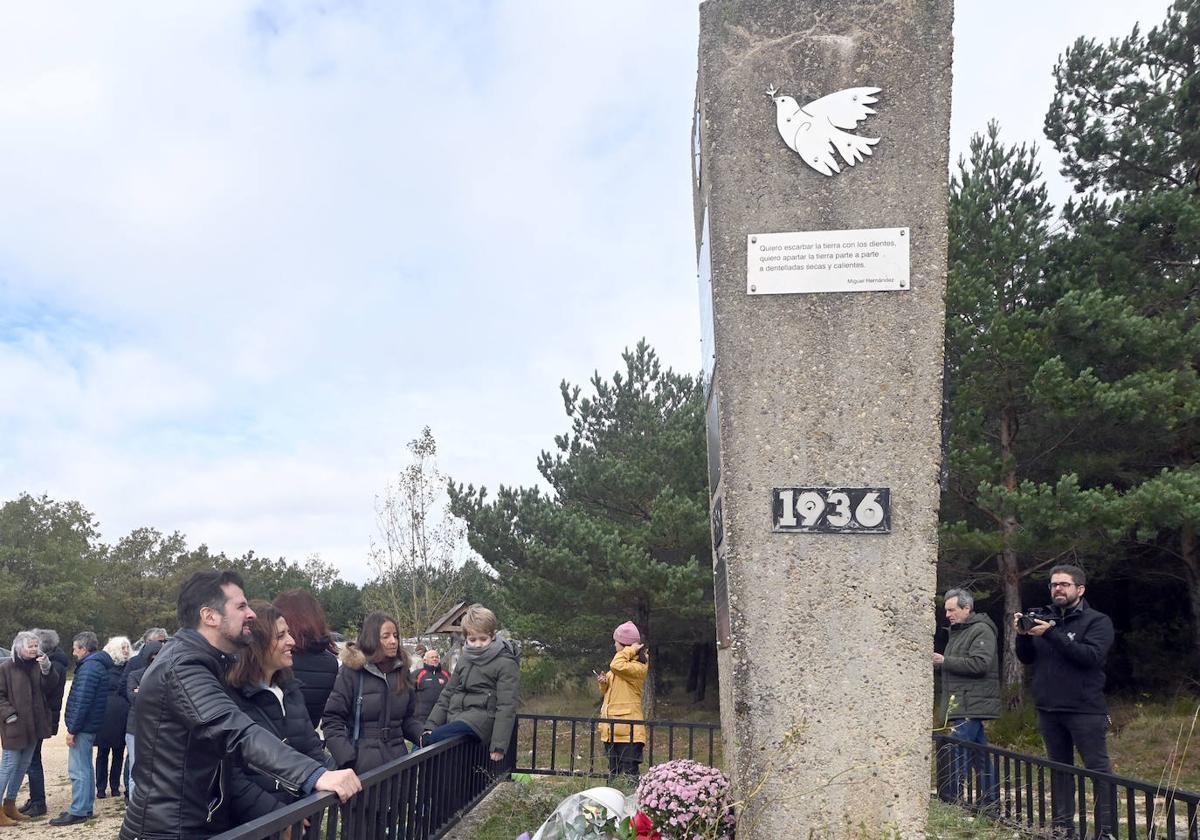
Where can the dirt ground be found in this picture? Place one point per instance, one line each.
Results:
(109, 812)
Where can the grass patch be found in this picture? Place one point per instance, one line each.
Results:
(948, 822)
(1158, 742)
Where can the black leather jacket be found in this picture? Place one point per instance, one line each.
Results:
(188, 729)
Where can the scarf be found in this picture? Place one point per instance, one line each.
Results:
(482, 656)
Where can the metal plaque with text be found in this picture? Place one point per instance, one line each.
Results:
(871, 260)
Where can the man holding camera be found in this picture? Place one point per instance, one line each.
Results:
(1067, 642)
(970, 689)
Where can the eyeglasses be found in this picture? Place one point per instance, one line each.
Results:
(1061, 584)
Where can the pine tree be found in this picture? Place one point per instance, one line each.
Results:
(1126, 118)
(624, 534)
(1008, 510)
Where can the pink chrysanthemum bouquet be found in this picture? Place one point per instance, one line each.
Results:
(687, 800)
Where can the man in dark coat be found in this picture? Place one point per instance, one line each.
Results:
(35, 806)
(970, 689)
(26, 683)
(188, 729)
(85, 716)
(1067, 645)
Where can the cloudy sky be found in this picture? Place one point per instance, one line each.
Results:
(247, 250)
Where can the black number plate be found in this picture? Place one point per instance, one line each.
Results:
(832, 510)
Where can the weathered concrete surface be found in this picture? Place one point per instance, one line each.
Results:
(826, 690)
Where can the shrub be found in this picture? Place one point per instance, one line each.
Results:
(539, 675)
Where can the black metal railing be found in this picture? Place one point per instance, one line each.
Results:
(563, 745)
(417, 797)
(1040, 795)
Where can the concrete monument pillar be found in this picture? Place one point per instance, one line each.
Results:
(821, 145)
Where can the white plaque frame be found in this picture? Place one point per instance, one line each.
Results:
(806, 262)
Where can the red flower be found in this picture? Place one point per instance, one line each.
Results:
(644, 827)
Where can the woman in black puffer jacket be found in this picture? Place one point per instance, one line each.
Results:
(377, 670)
(315, 657)
(110, 740)
(266, 691)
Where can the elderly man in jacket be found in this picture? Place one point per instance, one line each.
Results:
(27, 683)
(970, 691)
(85, 716)
(188, 727)
(35, 806)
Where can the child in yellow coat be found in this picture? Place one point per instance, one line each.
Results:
(622, 687)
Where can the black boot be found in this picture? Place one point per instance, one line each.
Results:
(33, 809)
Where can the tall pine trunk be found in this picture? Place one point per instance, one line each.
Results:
(649, 689)
(1189, 552)
(1010, 583)
(1010, 567)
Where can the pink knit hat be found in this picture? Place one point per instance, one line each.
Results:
(627, 634)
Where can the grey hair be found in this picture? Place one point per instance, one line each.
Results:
(21, 640)
(155, 634)
(118, 648)
(49, 638)
(87, 640)
(964, 598)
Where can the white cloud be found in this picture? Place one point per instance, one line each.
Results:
(252, 249)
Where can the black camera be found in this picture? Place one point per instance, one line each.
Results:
(1025, 622)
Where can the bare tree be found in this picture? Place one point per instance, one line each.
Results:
(419, 560)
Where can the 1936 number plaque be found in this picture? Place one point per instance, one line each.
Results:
(831, 510)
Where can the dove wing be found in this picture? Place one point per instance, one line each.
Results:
(812, 144)
(846, 108)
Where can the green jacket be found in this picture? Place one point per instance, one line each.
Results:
(484, 697)
(971, 670)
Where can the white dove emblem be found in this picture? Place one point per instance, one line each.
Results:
(811, 130)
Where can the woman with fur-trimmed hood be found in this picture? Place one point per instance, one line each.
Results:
(370, 710)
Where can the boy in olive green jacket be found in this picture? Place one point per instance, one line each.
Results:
(481, 698)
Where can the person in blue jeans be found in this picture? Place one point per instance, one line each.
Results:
(970, 669)
(26, 683)
(85, 716)
(35, 806)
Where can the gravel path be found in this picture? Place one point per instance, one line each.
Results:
(109, 812)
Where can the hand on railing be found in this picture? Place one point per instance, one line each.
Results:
(344, 783)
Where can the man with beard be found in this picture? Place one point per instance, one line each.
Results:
(188, 728)
(1067, 645)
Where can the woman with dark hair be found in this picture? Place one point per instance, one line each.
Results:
(370, 711)
(315, 656)
(266, 691)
